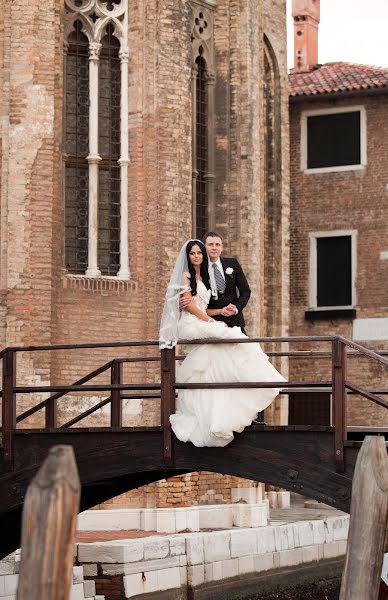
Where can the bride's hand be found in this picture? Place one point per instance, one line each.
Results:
(210, 320)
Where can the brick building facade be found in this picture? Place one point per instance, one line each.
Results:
(66, 279)
(339, 215)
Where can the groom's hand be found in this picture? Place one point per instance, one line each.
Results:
(228, 311)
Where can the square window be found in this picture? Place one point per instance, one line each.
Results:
(332, 270)
(333, 139)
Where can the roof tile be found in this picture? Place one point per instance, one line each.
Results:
(337, 77)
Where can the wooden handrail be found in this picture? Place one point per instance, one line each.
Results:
(58, 395)
(117, 389)
(367, 394)
(365, 351)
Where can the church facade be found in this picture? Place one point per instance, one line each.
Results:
(127, 128)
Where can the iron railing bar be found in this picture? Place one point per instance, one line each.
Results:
(366, 394)
(86, 388)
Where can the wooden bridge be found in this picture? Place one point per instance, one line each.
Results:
(316, 461)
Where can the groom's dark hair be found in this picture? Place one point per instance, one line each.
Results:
(212, 234)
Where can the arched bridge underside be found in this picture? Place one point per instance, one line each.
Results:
(111, 462)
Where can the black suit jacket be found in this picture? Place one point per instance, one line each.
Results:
(237, 291)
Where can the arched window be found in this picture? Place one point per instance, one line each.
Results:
(109, 150)
(202, 147)
(76, 150)
(96, 137)
(203, 120)
(272, 192)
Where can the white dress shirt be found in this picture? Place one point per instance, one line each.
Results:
(212, 279)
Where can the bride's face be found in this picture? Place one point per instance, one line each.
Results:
(196, 256)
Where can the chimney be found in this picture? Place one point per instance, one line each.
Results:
(306, 14)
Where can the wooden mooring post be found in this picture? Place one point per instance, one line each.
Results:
(48, 528)
(368, 523)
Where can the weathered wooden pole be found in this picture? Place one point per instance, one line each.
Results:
(48, 528)
(368, 522)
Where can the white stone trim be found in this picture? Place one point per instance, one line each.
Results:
(326, 111)
(313, 236)
(371, 329)
(93, 159)
(384, 255)
(123, 272)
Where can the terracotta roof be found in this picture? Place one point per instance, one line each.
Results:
(337, 77)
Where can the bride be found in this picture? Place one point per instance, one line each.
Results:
(209, 417)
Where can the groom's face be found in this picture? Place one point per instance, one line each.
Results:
(214, 247)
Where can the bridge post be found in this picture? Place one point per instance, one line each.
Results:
(116, 408)
(48, 530)
(339, 401)
(368, 522)
(167, 403)
(51, 413)
(8, 405)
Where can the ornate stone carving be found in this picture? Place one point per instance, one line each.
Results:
(202, 34)
(95, 15)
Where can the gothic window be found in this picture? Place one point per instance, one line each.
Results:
(95, 134)
(203, 120)
(272, 257)
(109, 150)
(76, 151)
(201, 133)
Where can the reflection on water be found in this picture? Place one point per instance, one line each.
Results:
(321, 590)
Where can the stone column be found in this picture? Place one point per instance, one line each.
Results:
(93, 159)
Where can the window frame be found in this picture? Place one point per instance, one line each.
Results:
(327, 111)
(313, 271)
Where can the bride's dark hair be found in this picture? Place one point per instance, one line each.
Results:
(204, 270)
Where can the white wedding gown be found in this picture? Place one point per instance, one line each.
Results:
(209, 417)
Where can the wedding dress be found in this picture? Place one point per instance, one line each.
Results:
(209, 417)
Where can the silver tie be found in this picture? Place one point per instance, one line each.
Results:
(220, 282)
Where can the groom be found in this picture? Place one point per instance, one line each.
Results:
(230, 288)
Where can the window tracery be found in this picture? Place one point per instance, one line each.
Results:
(96, 137)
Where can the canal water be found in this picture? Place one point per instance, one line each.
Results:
(320, 590)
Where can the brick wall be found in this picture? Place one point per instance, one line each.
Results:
(343, 200)
(39, 302)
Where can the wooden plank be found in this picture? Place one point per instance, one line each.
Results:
(48, 529)
(368, 523)
(167, 404)
(116, 415)
(8, 405)
(339, 402)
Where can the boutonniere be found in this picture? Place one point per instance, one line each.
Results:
(229, 271)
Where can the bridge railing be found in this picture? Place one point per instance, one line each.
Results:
(339, 384)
